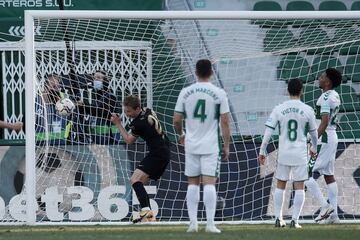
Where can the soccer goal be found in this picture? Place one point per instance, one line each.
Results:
(77, 166)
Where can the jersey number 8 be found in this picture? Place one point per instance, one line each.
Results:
(292, 129)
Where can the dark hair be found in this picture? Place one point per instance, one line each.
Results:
(334, 76)
(52, 75)
(295, 86)
(132, 101)
(203, 68)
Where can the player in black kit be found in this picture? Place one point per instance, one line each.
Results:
(145, 125)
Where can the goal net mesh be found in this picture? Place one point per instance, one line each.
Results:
(82, 164)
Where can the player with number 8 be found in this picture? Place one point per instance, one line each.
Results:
(295, 119)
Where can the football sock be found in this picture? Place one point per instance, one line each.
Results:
(192, 201)
(141, 195)
(210, 203)
(278, 202)
(298, 204)
(332, 193)
(313, 187)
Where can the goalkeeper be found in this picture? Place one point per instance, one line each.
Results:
(144, 124)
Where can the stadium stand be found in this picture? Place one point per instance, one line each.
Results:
(313, 37)
(352, 68)
(355, 6)
(351, 47)
(332, 6)
(267, 6)
(349, 98)
(300, 6)
(322, 62)
(278, 39)
(349, 126)
(311, 93)
(294, 66)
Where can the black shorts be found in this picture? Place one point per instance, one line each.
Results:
(155, 164)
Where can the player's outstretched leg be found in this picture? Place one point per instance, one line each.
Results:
(192, 201)
(278, 204)
(137, 180)
(332, 193)
(145, 213)
(325, 212)
(332, 219)
(210, 207)
(326, 209)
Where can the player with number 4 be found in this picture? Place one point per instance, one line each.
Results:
(204, 107)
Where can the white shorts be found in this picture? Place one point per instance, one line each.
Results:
(325, 162)
(202, 164)
(299, 173)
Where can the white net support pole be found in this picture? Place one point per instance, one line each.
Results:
(30, 83)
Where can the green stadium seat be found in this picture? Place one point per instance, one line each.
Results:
(278, 39)
(332, 6)
(300, 6)
(355, 6)
(268, 6)
(349, 99)
(349, 126)
(347, 35)
(350, 48)
(311, 94)
(352, 68)
(293, 66)
(322, 62)
(313, 38)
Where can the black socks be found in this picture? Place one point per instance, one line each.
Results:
(141, 194)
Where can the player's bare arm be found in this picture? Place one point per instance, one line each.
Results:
(128, 138)
(262, 159)
(225, 127)
(267, 135)
(178, 119)
(323, 125)
(17, 126)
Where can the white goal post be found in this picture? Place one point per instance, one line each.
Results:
(247, 68)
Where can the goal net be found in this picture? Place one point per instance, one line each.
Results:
(81, 165)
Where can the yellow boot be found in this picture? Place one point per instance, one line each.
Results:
(145, 216)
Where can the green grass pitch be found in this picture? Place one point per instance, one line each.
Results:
(177, 232)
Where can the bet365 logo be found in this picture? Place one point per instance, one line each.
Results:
(78, 203)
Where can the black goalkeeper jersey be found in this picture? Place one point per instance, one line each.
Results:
(148, 127)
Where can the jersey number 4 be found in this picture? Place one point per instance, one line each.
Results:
(199, 111)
